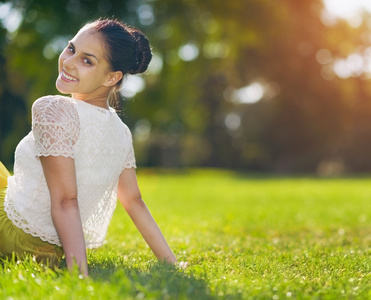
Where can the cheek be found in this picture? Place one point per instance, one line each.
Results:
(60, 61)
(62, 57)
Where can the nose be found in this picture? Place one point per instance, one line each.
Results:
(69, 62)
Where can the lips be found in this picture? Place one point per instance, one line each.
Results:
(67, 77)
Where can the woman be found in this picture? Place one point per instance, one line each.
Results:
(78, 158)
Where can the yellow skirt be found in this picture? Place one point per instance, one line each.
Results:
(4, 174)
(14, 240)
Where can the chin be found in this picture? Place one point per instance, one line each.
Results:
(60, 87)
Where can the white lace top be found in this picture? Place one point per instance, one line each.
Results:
(101, 145)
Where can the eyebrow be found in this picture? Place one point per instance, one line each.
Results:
(87, 54)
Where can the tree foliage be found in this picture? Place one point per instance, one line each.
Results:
(189, 114)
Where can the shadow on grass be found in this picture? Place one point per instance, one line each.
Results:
(160, 281)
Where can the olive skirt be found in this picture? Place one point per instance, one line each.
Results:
(14, 241)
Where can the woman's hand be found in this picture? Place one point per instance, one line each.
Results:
(182, 265)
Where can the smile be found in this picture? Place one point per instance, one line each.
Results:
(69, 77)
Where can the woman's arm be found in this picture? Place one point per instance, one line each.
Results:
(130, 197)
(60, 176)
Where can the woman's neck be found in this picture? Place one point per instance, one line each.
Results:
(97, 100)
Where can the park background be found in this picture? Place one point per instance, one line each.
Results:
(271, 86)
(238, 91)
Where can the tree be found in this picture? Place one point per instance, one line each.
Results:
(205, 53)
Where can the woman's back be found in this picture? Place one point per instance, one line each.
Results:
(101, 145)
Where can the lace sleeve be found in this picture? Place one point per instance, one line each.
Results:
(55, 126)
(130, 158)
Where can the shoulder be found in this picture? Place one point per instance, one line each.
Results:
(51, 101)
(54, 108)
(123, 127)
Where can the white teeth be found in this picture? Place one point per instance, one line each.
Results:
(69, 77)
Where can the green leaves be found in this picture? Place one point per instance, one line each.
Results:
(206, 52)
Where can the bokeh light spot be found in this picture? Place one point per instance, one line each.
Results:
(215, 50)
(324, 56)
(232, 121)
(132, 85)
(156, 64)
(352, 66)
(10, 17)
(249, 94)
(142, 130)
(145, 14)
(188, 52)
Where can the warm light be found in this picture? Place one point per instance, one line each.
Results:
(347, 9)
(352, 66)
(324, 56)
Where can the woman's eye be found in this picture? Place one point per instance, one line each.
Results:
(87, 61)
(70, 49)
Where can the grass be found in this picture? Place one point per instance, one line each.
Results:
(244, 237)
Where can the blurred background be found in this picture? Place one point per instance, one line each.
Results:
(271, 86)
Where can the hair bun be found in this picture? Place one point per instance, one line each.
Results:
(142, 53)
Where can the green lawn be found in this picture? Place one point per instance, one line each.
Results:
(244, 237)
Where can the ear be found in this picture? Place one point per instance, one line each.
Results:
(113, 78)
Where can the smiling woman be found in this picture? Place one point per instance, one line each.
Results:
(83, 70)
(96, 59)
(79, 158)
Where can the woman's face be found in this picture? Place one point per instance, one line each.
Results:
(83, 69)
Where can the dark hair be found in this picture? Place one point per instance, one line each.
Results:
(128, 49)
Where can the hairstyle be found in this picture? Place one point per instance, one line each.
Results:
(128, 49)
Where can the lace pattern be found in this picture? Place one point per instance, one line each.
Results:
(56, 126)
(101, 145)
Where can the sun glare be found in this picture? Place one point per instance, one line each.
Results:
(356, 64)
(346, 9)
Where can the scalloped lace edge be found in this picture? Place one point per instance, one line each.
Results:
(17, 221)
(55, 155)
